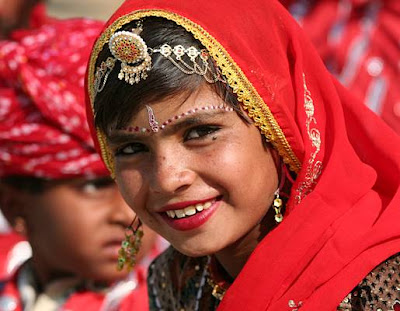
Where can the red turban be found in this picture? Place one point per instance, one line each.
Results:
(43, 128)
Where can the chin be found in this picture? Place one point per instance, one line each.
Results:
(196, 250)
(108, 274)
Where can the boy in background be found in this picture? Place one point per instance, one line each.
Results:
(54, 188)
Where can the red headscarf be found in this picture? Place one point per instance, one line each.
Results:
(344, 208)
(43, 128)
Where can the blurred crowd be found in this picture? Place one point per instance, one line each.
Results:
(359, 42)
(18, 13)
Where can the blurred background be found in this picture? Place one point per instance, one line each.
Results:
(16, 13)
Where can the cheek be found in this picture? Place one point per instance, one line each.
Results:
(76, 221)
(73, 214)
(235, 159)
(131, 184)
(246, 167)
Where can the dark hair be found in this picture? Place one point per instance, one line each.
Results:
(30, 184)
(118, 101)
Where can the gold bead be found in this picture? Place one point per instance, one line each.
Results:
(278, 202)
(278, 218)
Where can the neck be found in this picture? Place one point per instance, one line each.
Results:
(44, 274)
(234, 257)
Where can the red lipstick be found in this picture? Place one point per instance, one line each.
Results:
(181, 205)
(190, 222)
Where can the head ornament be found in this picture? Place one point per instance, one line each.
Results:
(132, 52)
(130, 49)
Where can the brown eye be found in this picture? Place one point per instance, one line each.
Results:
(89, 188)
(199, 132)
(131, 149)
(94, 185)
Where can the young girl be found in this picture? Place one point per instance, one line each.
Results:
(225, 133)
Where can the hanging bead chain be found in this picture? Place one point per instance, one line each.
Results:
(130, 246)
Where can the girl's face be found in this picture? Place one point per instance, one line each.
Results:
(204, 181)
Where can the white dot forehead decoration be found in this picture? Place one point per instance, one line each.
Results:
(154, 124)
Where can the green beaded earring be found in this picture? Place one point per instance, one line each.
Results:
(130, 246)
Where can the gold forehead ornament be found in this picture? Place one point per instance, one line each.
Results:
(131, 51)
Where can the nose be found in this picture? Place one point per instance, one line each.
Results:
(121, 213)
(172, 171)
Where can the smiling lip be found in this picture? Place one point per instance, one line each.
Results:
(191, 222)
(181, 205)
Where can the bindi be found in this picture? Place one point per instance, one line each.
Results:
(154, 124)
(152, 120)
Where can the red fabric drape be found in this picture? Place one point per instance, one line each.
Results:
(348, 224)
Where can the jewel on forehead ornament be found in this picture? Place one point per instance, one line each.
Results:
(131, 50)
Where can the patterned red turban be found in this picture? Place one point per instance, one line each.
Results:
(43, 130)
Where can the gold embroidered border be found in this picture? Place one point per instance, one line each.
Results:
(314, 167)
(244, 90)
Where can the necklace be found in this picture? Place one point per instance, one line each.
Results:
(218, 291)
(216, 279)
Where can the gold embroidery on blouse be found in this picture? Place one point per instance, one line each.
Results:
(244, 90)
(378, 291)
(313, 167)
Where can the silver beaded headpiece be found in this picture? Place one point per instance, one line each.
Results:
(130, 49)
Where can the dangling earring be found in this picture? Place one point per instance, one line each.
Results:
(278, 206)
(130, 246)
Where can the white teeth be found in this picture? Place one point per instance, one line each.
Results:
(171, 214)
(199, 207)
(180, 213)
(190, 210)
(207, 205)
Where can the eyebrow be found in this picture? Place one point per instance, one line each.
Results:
(118, 137)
